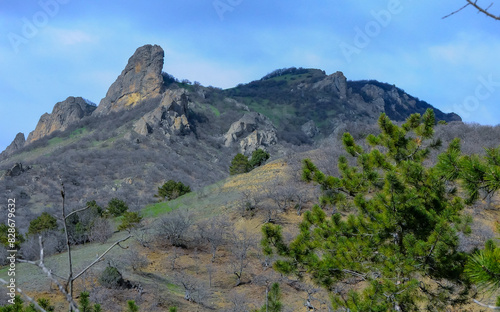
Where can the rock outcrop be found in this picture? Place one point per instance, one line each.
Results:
(63, 115)
(141, 79)
(171, 117)
(16, 170)
(310, 129)
(253, 130)
(335, 83)
(18, 143)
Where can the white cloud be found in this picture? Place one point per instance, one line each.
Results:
(467, 49)
(69, 37)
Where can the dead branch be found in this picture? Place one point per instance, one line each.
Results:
(455, 12)
(47, 271)
(483, 10)
(485, 305)
(37, 306)
(478, 7)
(100, 257)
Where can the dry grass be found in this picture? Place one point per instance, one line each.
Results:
(160, 281)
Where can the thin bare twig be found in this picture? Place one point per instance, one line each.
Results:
(478, 7)
(37, 306)
(47, 271)
(482, 10)
(455, 12)
(486, 305)
(100, 257)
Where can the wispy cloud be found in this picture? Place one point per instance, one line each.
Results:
(69, 37)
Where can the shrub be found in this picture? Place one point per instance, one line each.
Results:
(45, 222)
(239, 164)
(129, 221)
(4, 236)
(111, 278)
(172, 190)
(259, 157)
(116, 207)
(95, 208)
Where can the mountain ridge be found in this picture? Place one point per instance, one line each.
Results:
(150, 127)
(142, 79)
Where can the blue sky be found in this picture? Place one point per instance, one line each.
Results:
(52, 49)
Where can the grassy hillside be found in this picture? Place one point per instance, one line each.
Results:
(168, 267)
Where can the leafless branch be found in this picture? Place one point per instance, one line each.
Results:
(100, 257)
(483, 10)
(47, 271)
(485, 305)
(37, 306)
(478, 7)
(77, 211)
(455, 12)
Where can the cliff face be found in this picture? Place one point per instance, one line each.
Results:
(141, 79)
(64, 114)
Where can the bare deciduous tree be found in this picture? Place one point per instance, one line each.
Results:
(238, 302)
(174, 227)
(241, 244)
(135, 260)
(175, 253)
(213, 231)
(100, 231)
(66, 288)
(194, 289)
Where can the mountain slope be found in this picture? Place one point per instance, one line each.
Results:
(150, 127)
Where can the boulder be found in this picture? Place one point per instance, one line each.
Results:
(310, 129)
(140, 80)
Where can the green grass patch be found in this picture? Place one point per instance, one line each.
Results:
(157, 209)
(55, 141)
(215, 110)
(174, 288)
(78, 132)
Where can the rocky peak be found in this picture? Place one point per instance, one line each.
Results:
(18, 142)
(335, 83)
(64, 114)
(141, 79)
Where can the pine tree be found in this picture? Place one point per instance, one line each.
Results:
(259, 157)
(172, 190)
(129, 221)
(85, 302)
(400, 242)
(132, 307)
(480, 179)
(239, 164)
(45, 222)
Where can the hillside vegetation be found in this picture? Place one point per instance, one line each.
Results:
(193, 174)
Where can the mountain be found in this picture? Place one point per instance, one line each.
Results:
(150, 127)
